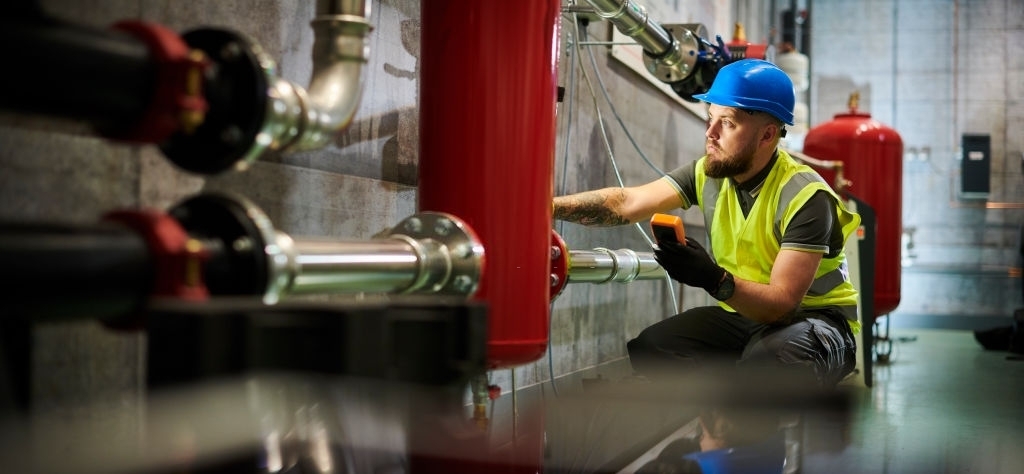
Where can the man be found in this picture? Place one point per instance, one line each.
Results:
(776, 232)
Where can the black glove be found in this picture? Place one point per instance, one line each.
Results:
(689, 264)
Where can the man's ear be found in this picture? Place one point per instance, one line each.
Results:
(771, 133)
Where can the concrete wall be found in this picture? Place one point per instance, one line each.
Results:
(934, 70)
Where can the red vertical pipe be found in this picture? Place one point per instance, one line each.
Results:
(488, 86)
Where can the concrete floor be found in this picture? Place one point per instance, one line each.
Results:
(941, 404)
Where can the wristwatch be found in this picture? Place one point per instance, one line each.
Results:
(725, 288)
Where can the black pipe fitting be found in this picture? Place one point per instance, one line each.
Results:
(235, 87)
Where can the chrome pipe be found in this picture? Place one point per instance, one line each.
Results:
(426, 253)
(670, 54)
(429, 252)
(393, 265)
(310, 118)
(602, 265)
(631, 18)
(385, 265)
(340, 49)
(343, 7)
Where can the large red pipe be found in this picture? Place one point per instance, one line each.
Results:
(488, 87)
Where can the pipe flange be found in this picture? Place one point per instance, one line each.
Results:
(177, 102)
(559, 264)
(679, 61)
(236, 90)
(252, 258)
(460, 267)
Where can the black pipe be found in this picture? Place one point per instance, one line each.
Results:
(104, 77)
(53, 271)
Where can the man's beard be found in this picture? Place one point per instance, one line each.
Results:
(727, 166)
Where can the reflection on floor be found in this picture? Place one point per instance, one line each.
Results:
(941, 404)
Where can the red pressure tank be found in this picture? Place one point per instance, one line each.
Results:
(488, 88)
(872, 157)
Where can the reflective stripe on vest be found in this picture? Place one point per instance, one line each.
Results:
(826, 282)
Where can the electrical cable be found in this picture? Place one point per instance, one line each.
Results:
(570, 105)
(636, 146)
(570, 88)
(607, 142)
(611, 155)
(600, 123)
(570, 94)
(611, 105)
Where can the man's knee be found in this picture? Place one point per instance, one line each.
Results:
(643, 351)
(811, 345)
(651, 355)
(648, 341)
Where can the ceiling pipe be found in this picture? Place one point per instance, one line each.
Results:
(670, 56)
(632, 20)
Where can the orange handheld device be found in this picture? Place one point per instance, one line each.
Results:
(668, 228)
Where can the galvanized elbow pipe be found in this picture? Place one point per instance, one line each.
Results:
(602, 265)
(254, 111)
(307, 119)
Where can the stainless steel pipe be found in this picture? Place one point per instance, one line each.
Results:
(300, 119)
(602, 265)
(383, 265)
(397, 264)
(670, 55)
(632, 20)
(427, 253)
(340, 50)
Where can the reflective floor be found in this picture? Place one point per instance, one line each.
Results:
(941, 404)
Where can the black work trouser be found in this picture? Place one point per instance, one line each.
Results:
(816, 344)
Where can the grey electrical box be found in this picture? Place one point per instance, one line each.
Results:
(975, 165)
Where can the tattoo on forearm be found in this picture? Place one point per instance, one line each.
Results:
(591, 208)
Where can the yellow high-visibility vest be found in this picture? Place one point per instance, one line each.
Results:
(747, 246)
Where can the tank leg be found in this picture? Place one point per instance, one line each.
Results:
(883, 343)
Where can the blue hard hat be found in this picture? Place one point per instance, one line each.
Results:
(753, 84)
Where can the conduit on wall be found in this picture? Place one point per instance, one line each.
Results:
(488, 88)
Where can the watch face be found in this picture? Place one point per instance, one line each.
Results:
(726, 289)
